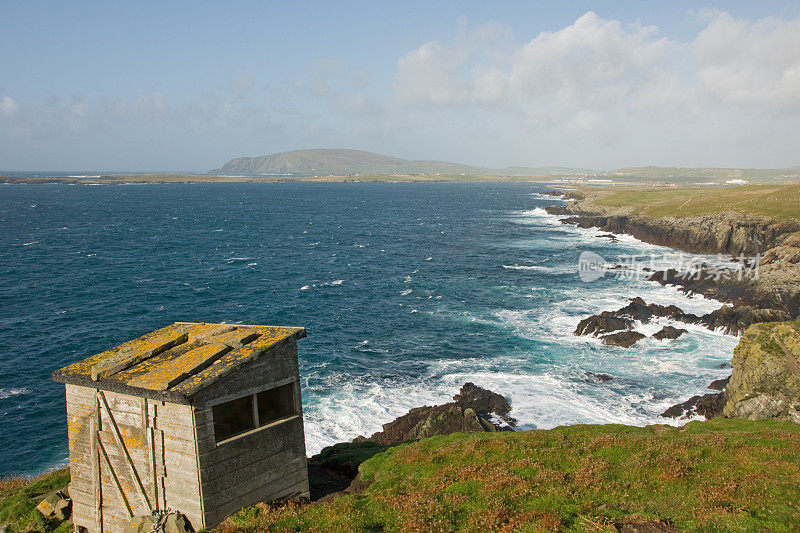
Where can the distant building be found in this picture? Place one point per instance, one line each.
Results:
(198, 418)
(737, 182)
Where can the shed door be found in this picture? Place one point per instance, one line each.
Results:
(121, 465)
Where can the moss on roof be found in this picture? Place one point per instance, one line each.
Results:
(176, 362)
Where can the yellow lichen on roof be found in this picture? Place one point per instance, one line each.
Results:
(183, 357)
(268, 337)
(147, 341)
(170, 372)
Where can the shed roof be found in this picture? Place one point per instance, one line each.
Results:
(176, 362)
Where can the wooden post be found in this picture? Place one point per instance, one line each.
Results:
(125, 455)
(97, 482)
(151, 444)
(114, 478)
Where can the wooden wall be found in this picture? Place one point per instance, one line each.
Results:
(264, 464)
(171, 458)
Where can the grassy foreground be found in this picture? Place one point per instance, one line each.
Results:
(19, 498)
(779, 201)
(721, 475)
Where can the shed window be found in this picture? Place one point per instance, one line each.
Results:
(233, 417)
(255, 410)
(275, 404)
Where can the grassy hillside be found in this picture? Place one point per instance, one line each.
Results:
(19, 498)
(722, 475)
(717, 175)
(780, 201)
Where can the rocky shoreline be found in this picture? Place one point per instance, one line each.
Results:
(767, 298)
(334, 471)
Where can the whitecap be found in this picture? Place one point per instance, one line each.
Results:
(8, 393)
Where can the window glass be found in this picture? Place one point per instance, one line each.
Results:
(275, 404)
(232, 418)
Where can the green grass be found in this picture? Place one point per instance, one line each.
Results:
(779, 201)
(19, 498)
(721, 475)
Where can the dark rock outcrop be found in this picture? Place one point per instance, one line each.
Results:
(668, 332)
(719, 384)
(592, 377)
(734, 320)
(707, 405)
(624, 318)
(626, 339)
(605, 322)
(474, 410)
(334, 469)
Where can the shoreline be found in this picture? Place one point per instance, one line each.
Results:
(761, 307)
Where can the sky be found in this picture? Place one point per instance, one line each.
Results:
(171, 86)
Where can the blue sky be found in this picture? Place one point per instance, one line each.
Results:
(189, 85)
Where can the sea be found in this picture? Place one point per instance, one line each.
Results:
(407, 291)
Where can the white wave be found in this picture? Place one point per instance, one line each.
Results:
(543, 268)
(8, 393)
(30, 243)
(334, 283)
(405, 292)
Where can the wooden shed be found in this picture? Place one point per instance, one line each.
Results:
(198, 418)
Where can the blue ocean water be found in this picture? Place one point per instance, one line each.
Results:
(406, 290)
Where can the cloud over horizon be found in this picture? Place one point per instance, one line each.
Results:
(598, 93)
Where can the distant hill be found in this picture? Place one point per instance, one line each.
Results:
(325, 161)
(331, 162)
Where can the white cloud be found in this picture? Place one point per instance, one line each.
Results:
(8, 105)
(755, 63)
(598, 67)
(590, 62)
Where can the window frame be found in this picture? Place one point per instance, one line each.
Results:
(253, 395)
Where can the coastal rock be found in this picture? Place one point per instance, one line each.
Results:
(668, 332)
(56, 505)
(776, 283)
(734, 320)
(624, 317)
(719, 384)
(605, 322)
(707, 405)
(765, 382)
(474, 410)
(592, 377)
(334, 468)
(47, 506)
(171, 522)
(626, 339)
(482, 400)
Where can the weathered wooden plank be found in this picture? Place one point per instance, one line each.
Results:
(271, 367)
(121, 444)
(274, 489)
(265, 466)
(211, 330)
(239, 360)
(246, 485)
(133, 354)
(262, 443)
(173, 372)
(115, 479)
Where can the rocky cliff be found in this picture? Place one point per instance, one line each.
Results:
(765, 382)
(773, 284)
